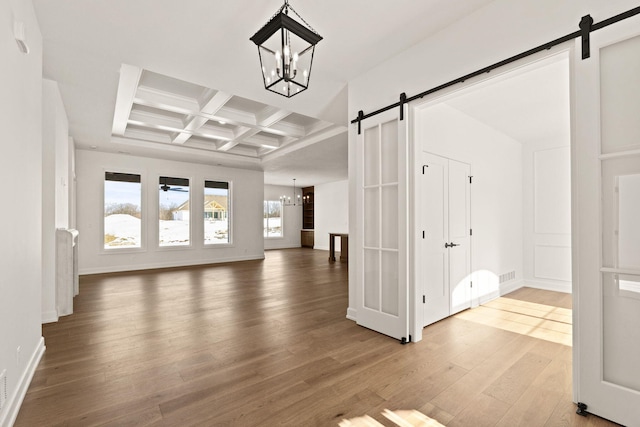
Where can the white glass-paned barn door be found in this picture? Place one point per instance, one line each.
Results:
(381, 242)
(606, 230)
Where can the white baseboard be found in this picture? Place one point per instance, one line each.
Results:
(49, 316)
(15, 400)
(511, 286)
(352, 314)
(121, 268)
(504, 289)
(281, 246)
(564, 287)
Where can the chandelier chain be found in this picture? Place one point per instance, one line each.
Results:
(279, 11)
(286, 5)
(301, 18)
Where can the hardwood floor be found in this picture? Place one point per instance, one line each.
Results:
(267, 343)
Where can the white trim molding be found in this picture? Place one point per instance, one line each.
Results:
(14, 402)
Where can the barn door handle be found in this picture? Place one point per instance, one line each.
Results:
(450, 245)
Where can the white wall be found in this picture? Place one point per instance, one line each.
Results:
(21, 343)
(247, 190)
(496, 192)
(331, 212)
(547, 213)
(59, 135)
(291, 217)
(56, 156)
(501, 29)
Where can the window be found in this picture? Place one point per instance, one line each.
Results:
(173, 211)
(272, 218)
(122, 210)
(216, 212)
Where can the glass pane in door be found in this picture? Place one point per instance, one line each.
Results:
(372, 156)
(371, 279)
(389, 150)
(621, 318)
(389, 282)
(620, 95)
(389, 226)
(371, 218)
(629, 221)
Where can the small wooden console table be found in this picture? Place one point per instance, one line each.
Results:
(344, 247)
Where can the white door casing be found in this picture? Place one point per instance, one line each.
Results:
(382, 239)
(605, 193)
(445, 210)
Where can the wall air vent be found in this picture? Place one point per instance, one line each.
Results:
(507, 276)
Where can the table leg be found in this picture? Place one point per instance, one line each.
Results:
(332, 248)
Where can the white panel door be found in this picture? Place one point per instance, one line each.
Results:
(434, 260)
(381, 242)
(445, 262)
(459, 235)
(606, 190)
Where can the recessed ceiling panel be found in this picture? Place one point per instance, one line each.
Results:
(162, 109)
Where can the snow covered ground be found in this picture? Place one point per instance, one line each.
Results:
(275, 227)
(125, 231)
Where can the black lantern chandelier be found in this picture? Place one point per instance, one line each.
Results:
(286, 48)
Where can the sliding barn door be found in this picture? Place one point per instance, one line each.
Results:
(606, 223)
(382, 232)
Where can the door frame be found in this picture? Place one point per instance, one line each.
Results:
(426, 226)
(415, 289)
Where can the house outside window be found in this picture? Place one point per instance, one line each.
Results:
(173, 212)
(216, 213)
(122, 211)
(272, 219)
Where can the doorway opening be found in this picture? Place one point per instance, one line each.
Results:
(514, 131)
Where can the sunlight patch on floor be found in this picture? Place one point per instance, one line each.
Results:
(527, 318)
(406, 418)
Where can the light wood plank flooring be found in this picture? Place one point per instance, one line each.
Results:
(267, 343)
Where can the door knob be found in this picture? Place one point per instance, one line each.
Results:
(450, 245)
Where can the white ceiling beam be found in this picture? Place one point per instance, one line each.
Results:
(211, 132)
(203, 154)
(263, 151)
(269, 116)
(239, 136)
(129, 79)
(262, 141)
(317, 127)
(245, 151)
(235, 116)
(244, 132)
(305, 142)
(155, 119)
(286, 140)
(147, 135)
(215, 103)
(228, 145)
(166, 101)
(286, 129)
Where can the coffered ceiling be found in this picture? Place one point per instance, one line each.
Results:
(158, 109)
(158, 77)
